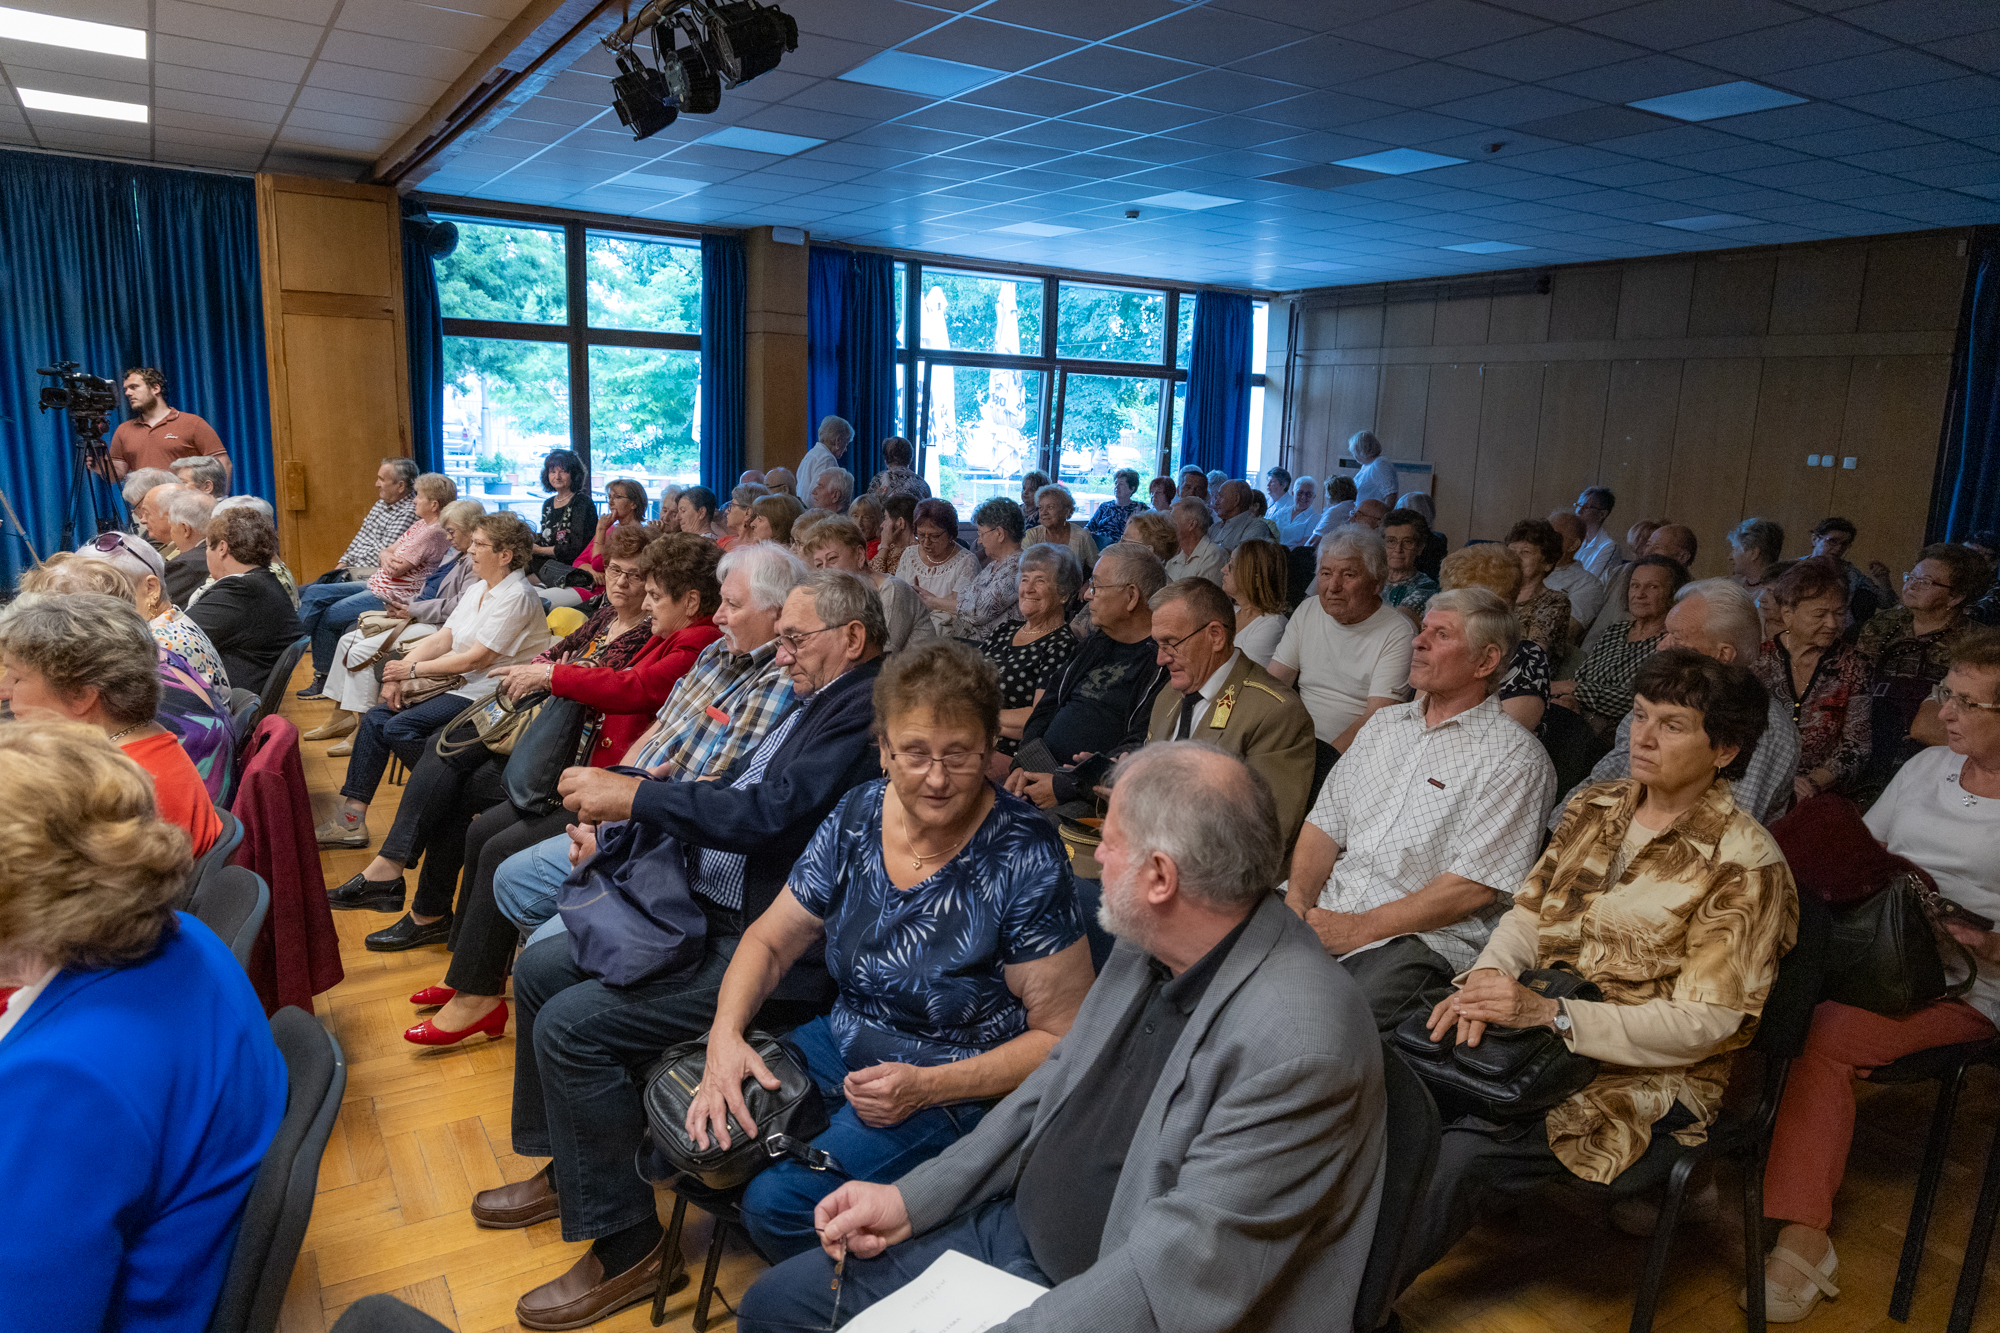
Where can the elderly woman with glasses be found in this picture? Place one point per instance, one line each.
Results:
(951, 931)
(1805, 664)
(935, 564)
(1908, 650)
(1941, 811)
(1026, 649)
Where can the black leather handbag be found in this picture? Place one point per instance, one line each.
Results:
(1513, 1073)
(787, 1120)
(1883, 955)
(560, 736)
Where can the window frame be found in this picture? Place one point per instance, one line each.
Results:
(576, 332)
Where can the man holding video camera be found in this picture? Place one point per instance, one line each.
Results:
(157, 435)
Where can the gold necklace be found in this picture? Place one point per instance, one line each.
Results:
(917, 862)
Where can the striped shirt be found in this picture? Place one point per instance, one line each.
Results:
(718, 711)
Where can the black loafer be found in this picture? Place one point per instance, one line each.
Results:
(372, 895)
(407, 934)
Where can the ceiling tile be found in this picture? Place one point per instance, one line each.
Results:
(994, 45)
(1032, 96)
(1664, 25)
(232, 28)
(1096, 20)
(1917, 21)
(1635, 80)
(1115, 69)
(1425, 84)
(1441, 27)
(1137, 114)
(1595, 125)
(1787, 46)
(1547, 53)
(1219, 38)
(1840, 79)
(434, 25)
(1225, 90)
(195, 53)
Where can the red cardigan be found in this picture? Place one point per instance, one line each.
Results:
(630, 697)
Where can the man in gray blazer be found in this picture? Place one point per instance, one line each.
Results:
(1204, 1149)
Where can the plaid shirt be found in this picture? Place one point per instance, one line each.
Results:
(718, 711)
(384, 524)
(1409, 802)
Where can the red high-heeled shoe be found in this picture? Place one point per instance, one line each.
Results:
(432, 996)
(428, 1033)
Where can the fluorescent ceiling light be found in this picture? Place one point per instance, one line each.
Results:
(907, 72)
(1399, 161)
(1485, 247)
(82, 106)
(1187, 200)
(1709, 222)
(1038, 229)
(760, 141)
(24, 25)
(1723, 99)
(665, 184)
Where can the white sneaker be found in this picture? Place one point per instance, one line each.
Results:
(340, 831)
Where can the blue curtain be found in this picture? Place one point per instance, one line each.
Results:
(1215, 430)
(425, 321)
(851, 350)
(723, 376)
(1966, 494)
(114, 265)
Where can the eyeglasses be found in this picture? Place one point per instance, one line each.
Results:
(793, 640)
(1946, 697)
(620, 574)
(1916, 580)
(1093, 585)
(1173, 645)
(958, 763)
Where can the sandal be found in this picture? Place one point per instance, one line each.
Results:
(1785, 1307)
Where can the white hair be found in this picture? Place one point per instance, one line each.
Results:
(1358, 539)
(190, 509)
(833, 428)
(1364, 446)
(842, 479)
(138, 483)
(253, 502)
(772, 570)
(1489, 623)
(1730, 615)
(1209, 813)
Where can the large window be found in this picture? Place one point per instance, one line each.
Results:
(991, 388)
(567, 337)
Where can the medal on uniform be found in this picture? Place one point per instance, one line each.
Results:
(1219, 716)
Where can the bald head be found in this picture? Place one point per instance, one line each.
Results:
(782, 480)
(1369, 513)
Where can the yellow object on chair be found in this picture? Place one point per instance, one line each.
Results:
(565, 621)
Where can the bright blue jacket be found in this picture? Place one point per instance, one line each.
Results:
(136, 1104)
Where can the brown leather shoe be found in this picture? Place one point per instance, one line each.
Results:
(583, 1295)
(518, 1205)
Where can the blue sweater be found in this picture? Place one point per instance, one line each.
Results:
(136, 1104)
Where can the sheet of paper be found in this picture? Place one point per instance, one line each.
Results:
(957, 1294)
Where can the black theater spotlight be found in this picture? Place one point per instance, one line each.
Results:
(728, 44)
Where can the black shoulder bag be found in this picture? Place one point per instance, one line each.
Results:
(1513, 1073)
(787, 1120)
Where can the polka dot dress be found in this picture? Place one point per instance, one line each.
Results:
(1023, 667)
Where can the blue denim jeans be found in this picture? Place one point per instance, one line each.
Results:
(778, 1205)
(329, 610)
(797, 1293)
(527, 883)
(385, 731)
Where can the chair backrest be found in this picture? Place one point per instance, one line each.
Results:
(1788, 1010)
(1411, 1154)
(233, 903)
(243, 702)
(214, 859)
(281, 1199)
(274, 684)
(1572, 746)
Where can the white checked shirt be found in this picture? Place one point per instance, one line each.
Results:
(1409, 802)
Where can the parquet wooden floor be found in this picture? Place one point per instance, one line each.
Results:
(420, 1131)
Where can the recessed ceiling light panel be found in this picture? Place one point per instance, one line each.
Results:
(908, 72)
(1399, 161)
(24, 25)
(82, 106)
(1038, 229)
(760, 141)
(1713, 103)
(1485, 247)
(1187, 200)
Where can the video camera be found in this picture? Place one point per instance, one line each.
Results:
(79, 394)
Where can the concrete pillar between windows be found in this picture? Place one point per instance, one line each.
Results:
(775, 431)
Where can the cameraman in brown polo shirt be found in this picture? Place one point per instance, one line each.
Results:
(157, 435)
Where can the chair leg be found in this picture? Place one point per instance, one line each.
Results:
(708, 1276)
(1753, 1235)
(674, 1229)
(1978, 1243)
(1935, 1147)
(1644, 1305)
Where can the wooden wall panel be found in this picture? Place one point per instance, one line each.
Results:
(1408, 323)
(1400, 409)
(1713, 429)
(1583, 303)
(1359, 326)
(1732, 296)
(1510, 410)
(1451, 443)
(1462, 323)
(1654, 300)
(1571, 438)
(776, 431)
(1339, 401)
(1639, 437)
(331, 259)
(1520, 318)
(1894, 406)
(1800, 403)
(1912, 284)
(1818, 289)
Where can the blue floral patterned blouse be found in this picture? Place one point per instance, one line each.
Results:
(920, 969)
(197, 713)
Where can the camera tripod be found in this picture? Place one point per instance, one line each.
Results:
(90, 463)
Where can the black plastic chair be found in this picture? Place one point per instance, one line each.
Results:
(1411, 1152)
(281, 1201)
(1781, 1036)
(1948, 1065)
(233, 903)
(274, 685)
(242, 707)
(213, 859)
(726, 1207)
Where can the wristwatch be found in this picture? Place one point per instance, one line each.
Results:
(1562, 1024)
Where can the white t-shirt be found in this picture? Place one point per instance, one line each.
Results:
(1341, 666)
(1261, 638)
(1926, 817)
(946, 580)
(509, 619)
(1376, 481)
